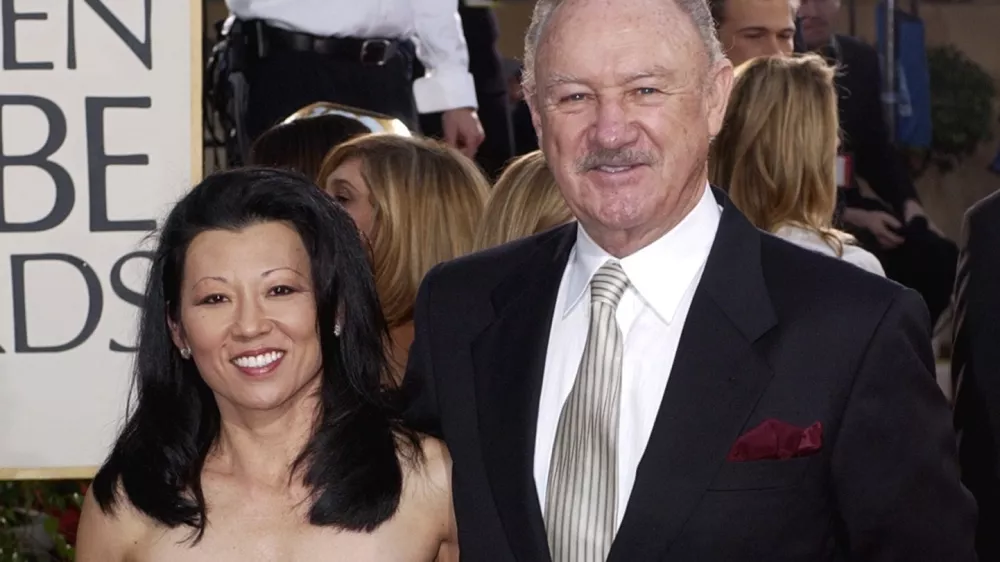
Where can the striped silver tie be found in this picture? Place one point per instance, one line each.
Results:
(583, 475)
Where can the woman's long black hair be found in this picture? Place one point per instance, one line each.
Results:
(350, 463)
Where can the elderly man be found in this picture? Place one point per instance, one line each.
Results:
(661, 381)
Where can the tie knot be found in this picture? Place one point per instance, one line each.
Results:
(608, 284)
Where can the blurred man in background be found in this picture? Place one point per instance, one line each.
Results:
(481, 31)
(894, 225)
(975, 368)
(754, 28)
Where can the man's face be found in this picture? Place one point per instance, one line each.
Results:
(756, 28)
(817, 21)
(624, 104)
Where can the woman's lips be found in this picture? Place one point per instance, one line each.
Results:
(259, 363)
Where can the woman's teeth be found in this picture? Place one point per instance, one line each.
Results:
(258, 361)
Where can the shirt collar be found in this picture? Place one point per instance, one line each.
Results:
(662, 271)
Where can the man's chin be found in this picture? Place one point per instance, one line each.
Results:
(618, 220)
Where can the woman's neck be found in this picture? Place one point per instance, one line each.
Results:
(261, 446)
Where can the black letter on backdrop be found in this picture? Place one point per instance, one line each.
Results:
(65, 196)
(95, 299)
(124, 293)
(71, 34)
(98, 162)
(9, 18)
(143, 50)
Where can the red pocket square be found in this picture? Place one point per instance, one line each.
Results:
(776, 440)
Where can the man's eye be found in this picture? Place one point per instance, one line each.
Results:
(647, 91)
(573, 97)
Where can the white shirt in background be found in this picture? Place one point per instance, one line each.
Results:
(651, 315)
(433, 25)
(813, 241)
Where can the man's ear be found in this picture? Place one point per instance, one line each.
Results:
(536, 118)
(719, 83)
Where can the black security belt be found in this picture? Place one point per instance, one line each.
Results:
(264, 39)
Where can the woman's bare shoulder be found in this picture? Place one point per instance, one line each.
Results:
(437, 461)
(427, 471)
(109, 535)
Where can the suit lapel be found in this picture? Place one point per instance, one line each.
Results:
(715, 382)
(509, 362)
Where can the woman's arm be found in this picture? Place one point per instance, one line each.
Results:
(438, 466)
(104, 537)
(449, 547)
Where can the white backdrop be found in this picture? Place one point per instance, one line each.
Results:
(100, 125)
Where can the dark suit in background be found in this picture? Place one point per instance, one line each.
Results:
(774, 332)
(976, 367)
(866, 136)
(925, 261)
(481, 32)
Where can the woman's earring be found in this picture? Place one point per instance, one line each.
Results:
(336, 329)
(186, 353)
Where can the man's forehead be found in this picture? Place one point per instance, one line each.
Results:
(580, 32)
(576, 18)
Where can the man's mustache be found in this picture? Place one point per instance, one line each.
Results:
(614, 157)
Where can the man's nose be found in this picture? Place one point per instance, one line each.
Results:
(613, 128)
(773, 46)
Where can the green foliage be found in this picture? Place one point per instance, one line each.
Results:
(962, 95)
(26, 504)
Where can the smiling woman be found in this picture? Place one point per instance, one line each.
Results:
(261, 428)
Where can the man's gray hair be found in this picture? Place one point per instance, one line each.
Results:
(697, 10)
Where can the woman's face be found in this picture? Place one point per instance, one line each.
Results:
(347, 186)
(248, 314)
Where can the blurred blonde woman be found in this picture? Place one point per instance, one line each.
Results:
(419, 203)
(524, 201)
(777, 154)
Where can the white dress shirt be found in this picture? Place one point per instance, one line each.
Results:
(651, 315)
(434, 26)
(812, 241)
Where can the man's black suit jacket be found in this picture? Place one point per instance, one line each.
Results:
(862, 121)
(976, 367)
(774, 332)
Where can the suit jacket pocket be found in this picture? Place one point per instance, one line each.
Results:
(760, 475)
